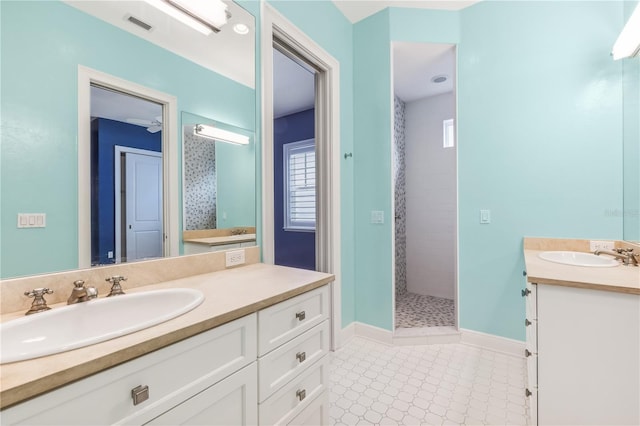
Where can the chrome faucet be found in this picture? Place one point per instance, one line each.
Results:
(80, 293)
(625, 255)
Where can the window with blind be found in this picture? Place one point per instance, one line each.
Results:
(300, 186)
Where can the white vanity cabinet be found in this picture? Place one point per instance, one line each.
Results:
(197, 248)
(269, 367)
(177, 373)
(586, 345)
(293, 343)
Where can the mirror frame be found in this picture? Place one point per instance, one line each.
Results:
(170, 184)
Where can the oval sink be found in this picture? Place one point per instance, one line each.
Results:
(576, 258)
(87, 323)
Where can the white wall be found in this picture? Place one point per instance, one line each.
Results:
(430, 198)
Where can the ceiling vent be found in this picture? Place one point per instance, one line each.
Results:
(139, 23)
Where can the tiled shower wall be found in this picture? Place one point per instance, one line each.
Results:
(199, 182)
(399, 196)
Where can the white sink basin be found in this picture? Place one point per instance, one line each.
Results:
(87, 323)
(576, 258)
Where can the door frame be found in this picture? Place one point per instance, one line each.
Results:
(328, 254)
(118, 151)
(87, 77)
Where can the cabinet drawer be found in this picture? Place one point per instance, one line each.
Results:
(531, 334)
(231, 402)
(284, 363)
(185, 367)
(281, 407)
(316, 413)
(282, 322)
(532, 372)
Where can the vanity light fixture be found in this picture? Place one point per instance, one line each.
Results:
(203, 16)
(628, 43)
(221, 135)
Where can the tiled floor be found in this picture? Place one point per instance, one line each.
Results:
(372, 383)
(416, 310)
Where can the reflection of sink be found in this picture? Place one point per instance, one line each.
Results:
(576, 258)
(87, 323)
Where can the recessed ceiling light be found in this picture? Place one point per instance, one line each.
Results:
(439, 79)
(241, 29)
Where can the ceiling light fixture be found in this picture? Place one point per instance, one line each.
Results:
(628, 43)
(241, 29)
(221, 135)
(439, 79)
(203, 16)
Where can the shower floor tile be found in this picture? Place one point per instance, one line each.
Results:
(416, 310)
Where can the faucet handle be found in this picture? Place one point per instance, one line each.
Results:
(78, 284)
(116, 288)
(39, 304)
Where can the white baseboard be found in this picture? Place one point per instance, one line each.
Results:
(468, 337)
(494, 343)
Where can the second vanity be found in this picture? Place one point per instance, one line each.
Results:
(582, 339)
(254, 352)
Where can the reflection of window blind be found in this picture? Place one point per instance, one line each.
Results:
(300, 185)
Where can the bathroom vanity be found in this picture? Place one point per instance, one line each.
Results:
(254, 352)
(209, 240)
(582, 339)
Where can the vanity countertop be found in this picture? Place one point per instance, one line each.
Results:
(622, 279)
(229, 295)
(227, 239)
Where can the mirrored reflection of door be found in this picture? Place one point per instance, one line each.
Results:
(122, 123)
(143, 205)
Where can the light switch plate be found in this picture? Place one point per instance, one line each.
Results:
(377, 216)
(32, 220)
(485, 216)
(601, 245)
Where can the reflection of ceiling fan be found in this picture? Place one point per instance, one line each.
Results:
(152, 126)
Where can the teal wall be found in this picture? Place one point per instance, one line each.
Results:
(326, 25)
(42, 43)
(539, 109)
(540, 143)
(631, 81)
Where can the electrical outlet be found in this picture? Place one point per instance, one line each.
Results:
(601, 245)
(235, 257)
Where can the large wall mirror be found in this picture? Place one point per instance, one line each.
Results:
(45, 162)
(631, 149)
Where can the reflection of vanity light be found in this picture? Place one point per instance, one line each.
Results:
(203, 16)
(628, 43)
(221, 135)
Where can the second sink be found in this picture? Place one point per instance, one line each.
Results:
(75, 326)
(576, 258)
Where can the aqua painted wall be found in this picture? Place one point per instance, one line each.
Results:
(326, 25)
(539, 110)
(42, 43)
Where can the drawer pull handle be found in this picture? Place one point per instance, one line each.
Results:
(301, 356)
(527, 392)
(527, 323)
(526, 292)
(527, 353)
(140, 394)
(301, 315)
(301, 394)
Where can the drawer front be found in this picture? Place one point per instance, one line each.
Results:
(231, 402)
(317, 413)
(282, 322)
(183, 368)
(294, 397)
(532, 399)
(532, 372)
(284, 363)
(225, 247)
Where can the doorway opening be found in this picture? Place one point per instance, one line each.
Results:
(425, 188)
(294, 160)
(278, 31)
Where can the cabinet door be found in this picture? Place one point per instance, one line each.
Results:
(588, 352)
(233, 401)
(317, 413)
